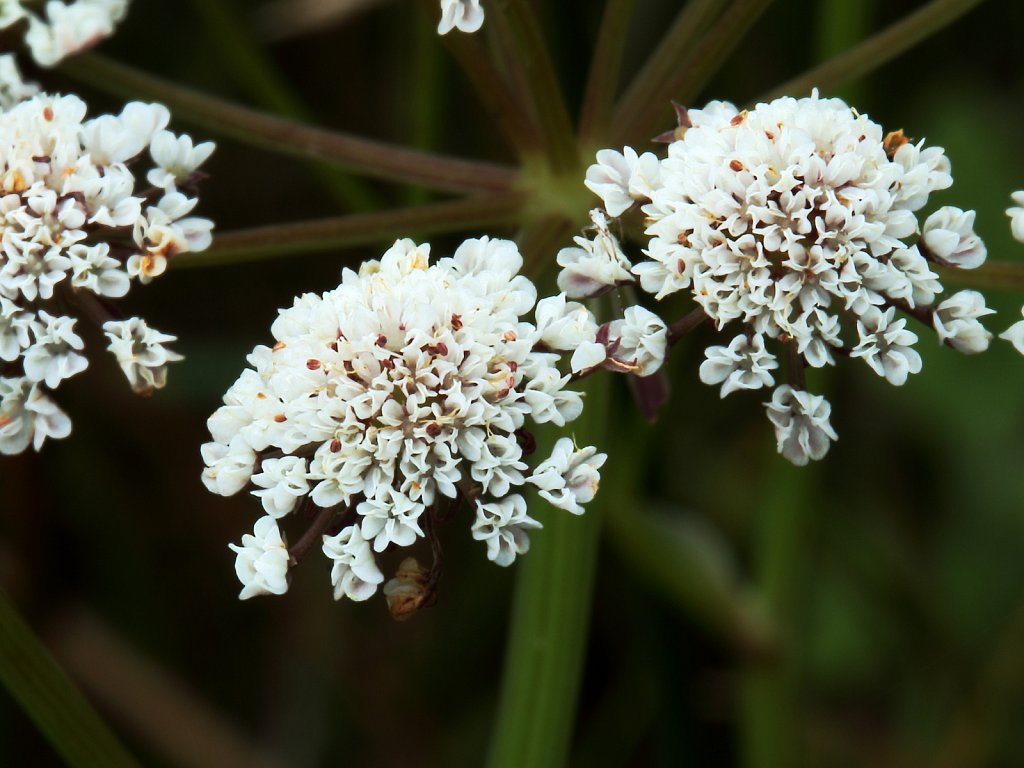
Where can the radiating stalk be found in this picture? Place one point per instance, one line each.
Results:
(550, 617)
(605, 70)
(51, 700)
(277, 134)
(646, 90)
(248, 62)
(274, 241)
(878, 49)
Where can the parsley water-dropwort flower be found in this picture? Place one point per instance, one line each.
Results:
(797, 220)
(76, 234)
(386, 404)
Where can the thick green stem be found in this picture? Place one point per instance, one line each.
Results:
(769, 703)
(232, 42)
(550, 617)
(647, 88)
(685, 81)
(605, 70)
(51, 700)
(274, 241)
(993, 274)
(877, 49)
(528, 53)
(373, 158)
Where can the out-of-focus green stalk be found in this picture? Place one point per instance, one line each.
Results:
(52, 701)
(685, 81)
(840, 24)
(993, 274)
(528, 51)
(373, 158)
(232, 42)
(769, 692)
(605, 70)
(269, 242)
(647, 88)
(878, 49)
(550, 618)
(424, 102)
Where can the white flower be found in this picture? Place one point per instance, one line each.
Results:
(355, 573)
(262, 561)
(802, 428)
(67, 204)
(569, 477)
(744, 364)
(12, 88)
(140, 352)
(638, 342)
(956, 322)
(622, 178)
(176, 158)
(27, 416)
(66, 28)
(1015, 335)
(281, 483)
(465, 15)
(948, 234)
(503, 525)
(407, 389)
(1016, 214)
(595, 265)
(887, 346)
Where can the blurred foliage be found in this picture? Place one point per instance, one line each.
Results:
(903, 639)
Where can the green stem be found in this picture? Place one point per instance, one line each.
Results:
(877, 49)
(51, 700)
(374, 158)
(269, 242)
(993, 274)
(605, 70)
(550, 617)
(687, 80)
(232, 42)
(840, 24)
(528, 54)
(424, 105)
(647, 87)
(769, 709)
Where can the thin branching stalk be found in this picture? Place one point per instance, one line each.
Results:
(992, 275)
(373, 158)
(640, 121)
(668, 57)
(524, 40)
(877, 49)
(274, 241)
(509, 110)
(234, 45)
(605, 71)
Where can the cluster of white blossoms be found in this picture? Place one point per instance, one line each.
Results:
(57, 29)
(384, 404)
(75, 235)
(464, 15)
(798, 221)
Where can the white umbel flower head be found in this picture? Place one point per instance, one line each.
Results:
(73, 226)
(637, 343)
(464, 15)
(797, 220)
(802, 426)
(956, 322)
(408, 390)
(12, 88)
(262, 561)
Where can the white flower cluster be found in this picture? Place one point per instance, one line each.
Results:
(59, 29)
(75, 234)
(464, 15)
(404, 391)
(798, 220)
